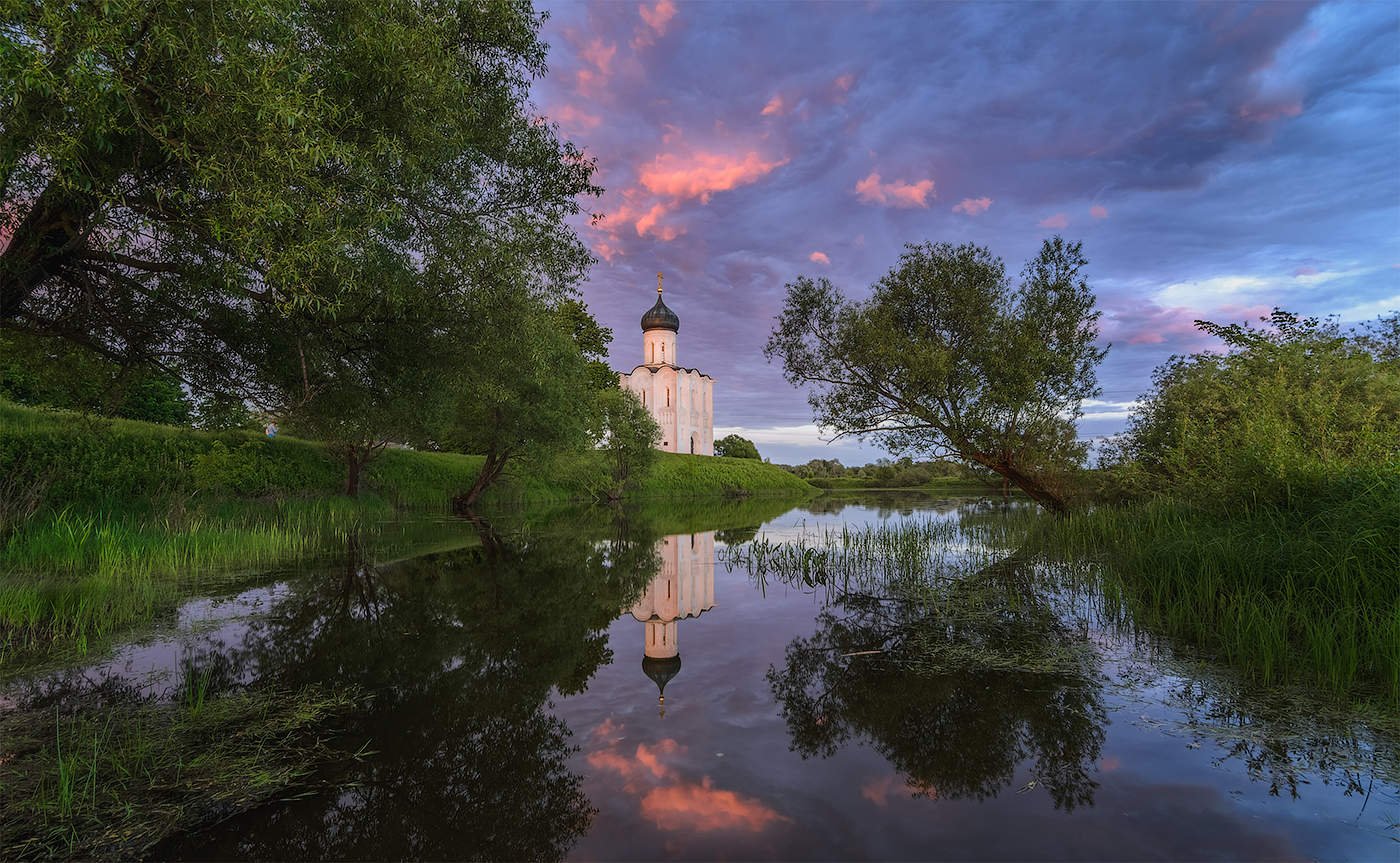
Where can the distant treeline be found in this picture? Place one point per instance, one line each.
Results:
(882, 473)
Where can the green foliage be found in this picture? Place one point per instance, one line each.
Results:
(627, 439)
(186, 181)
(733, 446)
(88, 785)
(592, 340)
(1301, 593)
(1272, 421)
(946, 357)
(115, 464)
(45, 371)
(884, 473)
(940, 650)
(524, 390)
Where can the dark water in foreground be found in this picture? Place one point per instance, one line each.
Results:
(515, 712)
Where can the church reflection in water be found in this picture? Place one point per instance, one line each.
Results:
(684, 588)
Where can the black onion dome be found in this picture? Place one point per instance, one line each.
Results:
(659, 317)
(661, 670)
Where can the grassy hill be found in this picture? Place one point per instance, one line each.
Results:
(104, 521)
(70, 459)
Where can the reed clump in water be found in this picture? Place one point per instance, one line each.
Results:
(952, 594)
(1307, 593)
(72, 576)
(114, 782)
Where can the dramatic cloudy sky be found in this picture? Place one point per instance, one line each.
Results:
(1216, 160)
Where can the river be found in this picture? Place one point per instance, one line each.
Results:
(608, 687)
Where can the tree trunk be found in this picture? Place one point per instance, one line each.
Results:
(353, 465)
(490, 472)
(42, 244)
(1034, 488)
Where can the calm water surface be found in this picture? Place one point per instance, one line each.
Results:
(516, 710)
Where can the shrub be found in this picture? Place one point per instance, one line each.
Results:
(1271, 421)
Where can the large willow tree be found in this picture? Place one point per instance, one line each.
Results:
(947, 358)
(178, 177)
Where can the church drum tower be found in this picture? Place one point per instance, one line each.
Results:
(680, 399)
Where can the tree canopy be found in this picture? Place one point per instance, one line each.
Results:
(733, 446)
(1290, 402)
(175, 177)
(948, 359)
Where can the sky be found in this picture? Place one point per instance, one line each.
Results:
(1216, 161)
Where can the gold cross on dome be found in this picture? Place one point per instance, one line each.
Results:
(658, 283)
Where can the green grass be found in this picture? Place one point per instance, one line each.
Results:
(120, 465)
(134, 516)
(1308, 593)
(112, 783)
(680, 475)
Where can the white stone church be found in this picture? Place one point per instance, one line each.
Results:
(681, 400)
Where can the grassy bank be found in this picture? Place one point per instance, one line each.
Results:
(98, 465)
(676, 475)
(1306, 592)
(104, 522)
(110, 783)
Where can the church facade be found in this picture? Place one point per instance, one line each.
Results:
(681, 400)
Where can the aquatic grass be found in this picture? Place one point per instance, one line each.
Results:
(864, 557)
(1309, 592)
(75, 576)
(112, 783)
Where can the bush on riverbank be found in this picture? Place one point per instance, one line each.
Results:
(1258, 503)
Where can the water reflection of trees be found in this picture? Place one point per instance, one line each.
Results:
(459, 652)
(955, 680)
(885, 503)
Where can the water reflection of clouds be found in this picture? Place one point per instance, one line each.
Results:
(669, 799)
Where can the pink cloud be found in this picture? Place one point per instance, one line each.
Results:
(692, 806)
(672, 802)
(605, 250)
(897, 194)
(1056, 222)
(600, 54)
(571, 117)
(843, 85)
(702, 174)
(1305, 271)
(973, 206)
(1153, 325)
(1264, 112)
(877, 791)
(651, 758)
(648, 223)
(645, 766)
(589, 81)
(774, 106)
(658, 17)
(1098, 211)
(820, 258)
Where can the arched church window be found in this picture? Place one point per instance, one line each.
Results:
(653, 351)
(668, 390)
